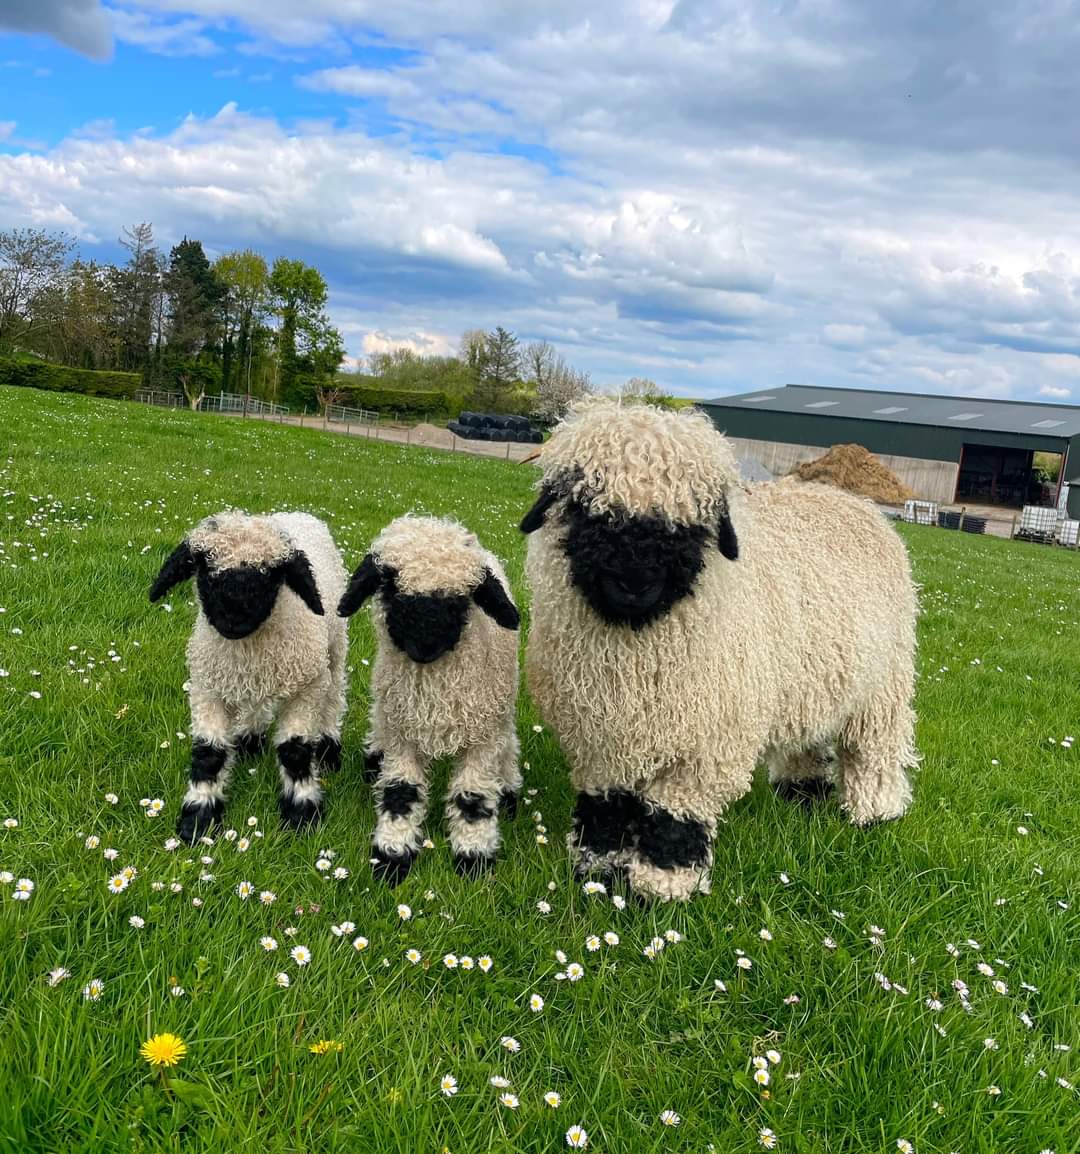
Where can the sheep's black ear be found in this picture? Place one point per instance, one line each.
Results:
(492, 598)
(301, 580)
(179, 566)
(725, 537)
(534, 518)
(365, 582)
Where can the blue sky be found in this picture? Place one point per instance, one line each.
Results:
(718, 195)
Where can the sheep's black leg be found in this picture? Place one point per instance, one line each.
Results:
(250, 745)
(474, 829)
(328, 752)
(373, 760)
(604, 827)
(301, 793)
(508, 803)
(399, 805)
(204, 800)
(673, 855)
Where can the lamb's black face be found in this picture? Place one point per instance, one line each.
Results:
(237, 601)
(632, 569)
(423, 626)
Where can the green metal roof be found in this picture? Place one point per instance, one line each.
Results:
(1020, 417)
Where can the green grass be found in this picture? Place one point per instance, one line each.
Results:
(92, 496)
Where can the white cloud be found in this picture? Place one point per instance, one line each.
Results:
(80, 24)
(422, 343)
(166, 38)
(1056, 391)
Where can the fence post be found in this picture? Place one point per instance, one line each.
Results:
(960, 523)
(508, 450)
(1012, 529)
(408, 436)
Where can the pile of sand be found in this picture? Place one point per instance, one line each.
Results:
(857, 470)
(425, 434)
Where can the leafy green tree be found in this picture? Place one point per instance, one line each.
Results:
(298, 296)
(245, 279)
(32, 262)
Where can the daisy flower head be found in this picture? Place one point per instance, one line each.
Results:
(340, 873)
(323, 864)
(485, 963)
(129, 872)
(243, 845)
(744, 963)
(177, 991)
(670, 1118)
(510, 1101)
(448, 1085)
(759, 1062)
(163, 1050)
(1000, 987)
(536, 1003)
(267, 897)
(282, 980)
(360, 943)
(136, 922)
(511, 1044)
(904, 1146)
(55, 977)
(450, 961)
(499, 1082)
(673, 936)
(611, 938)
(544, 907)
(764, 934)
(987, 971)
(594, 888)
(575, 971)
(774, 1057)
(404, 912)
(268, 943)
(766, 1139)
(467, 963)
(244, 890)
(301, 955)
(577, 1138)
(762, 1077)
(118, 883)
(92, 842)
(24, 887)
(592, 943)
(553, 1099)
(412, 956)
(619, 902)
(111, 798)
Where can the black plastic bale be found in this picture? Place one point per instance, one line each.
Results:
(536, 438)
(471, 419)
(947, 520)
(974, 524)
(523, 437)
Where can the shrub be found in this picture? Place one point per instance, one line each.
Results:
(62, 379)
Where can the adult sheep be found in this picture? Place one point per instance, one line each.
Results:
(261, 648)
(444, 684)
(684, 628)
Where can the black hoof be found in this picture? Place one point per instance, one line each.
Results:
(508, 804)
(805, 791)
(299, 814)
(373, 760)
(328, 753)
(473, 865)
(250, 745)
(391, 869)
(196, 820)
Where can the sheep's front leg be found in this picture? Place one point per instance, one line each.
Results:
(212, 755)
(604, 831)
(300, 802)
(328, 749)
(400, 803)
(374, 743)
(477, 789)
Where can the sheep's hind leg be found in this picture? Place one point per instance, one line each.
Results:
(212, 756)
(472, 808)
(603, 831)
(511, 772)
(875, 750)
(400, 805)
(802, 774)
(250, 736)
(328, 747)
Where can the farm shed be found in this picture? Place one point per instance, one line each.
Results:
(947, 449)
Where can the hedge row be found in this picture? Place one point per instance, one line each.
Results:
(414, 402)
(62, 379)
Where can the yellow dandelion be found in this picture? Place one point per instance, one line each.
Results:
(163, 1050)
(326, 1046)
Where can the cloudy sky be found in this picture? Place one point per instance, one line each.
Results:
(719, 195)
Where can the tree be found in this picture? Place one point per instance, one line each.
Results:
(194, 296)
(136, 288)
(298, 295)
(245, 280)
(500, 369)
(31, 262)
(557, 384)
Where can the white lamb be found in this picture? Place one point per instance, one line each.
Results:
(261, 648)
(684, 629)
(444, 684)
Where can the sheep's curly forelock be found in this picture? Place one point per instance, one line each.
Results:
(640, 459)
(235, 538)
(431, 555)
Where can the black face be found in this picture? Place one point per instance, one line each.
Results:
(632, 569)
(237, 601)
(423, 626)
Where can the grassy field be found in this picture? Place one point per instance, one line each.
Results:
(877, 1047)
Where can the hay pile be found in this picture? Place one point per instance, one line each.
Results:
(857, 470)
(424, 434)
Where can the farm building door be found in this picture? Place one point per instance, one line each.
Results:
(995, 475)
